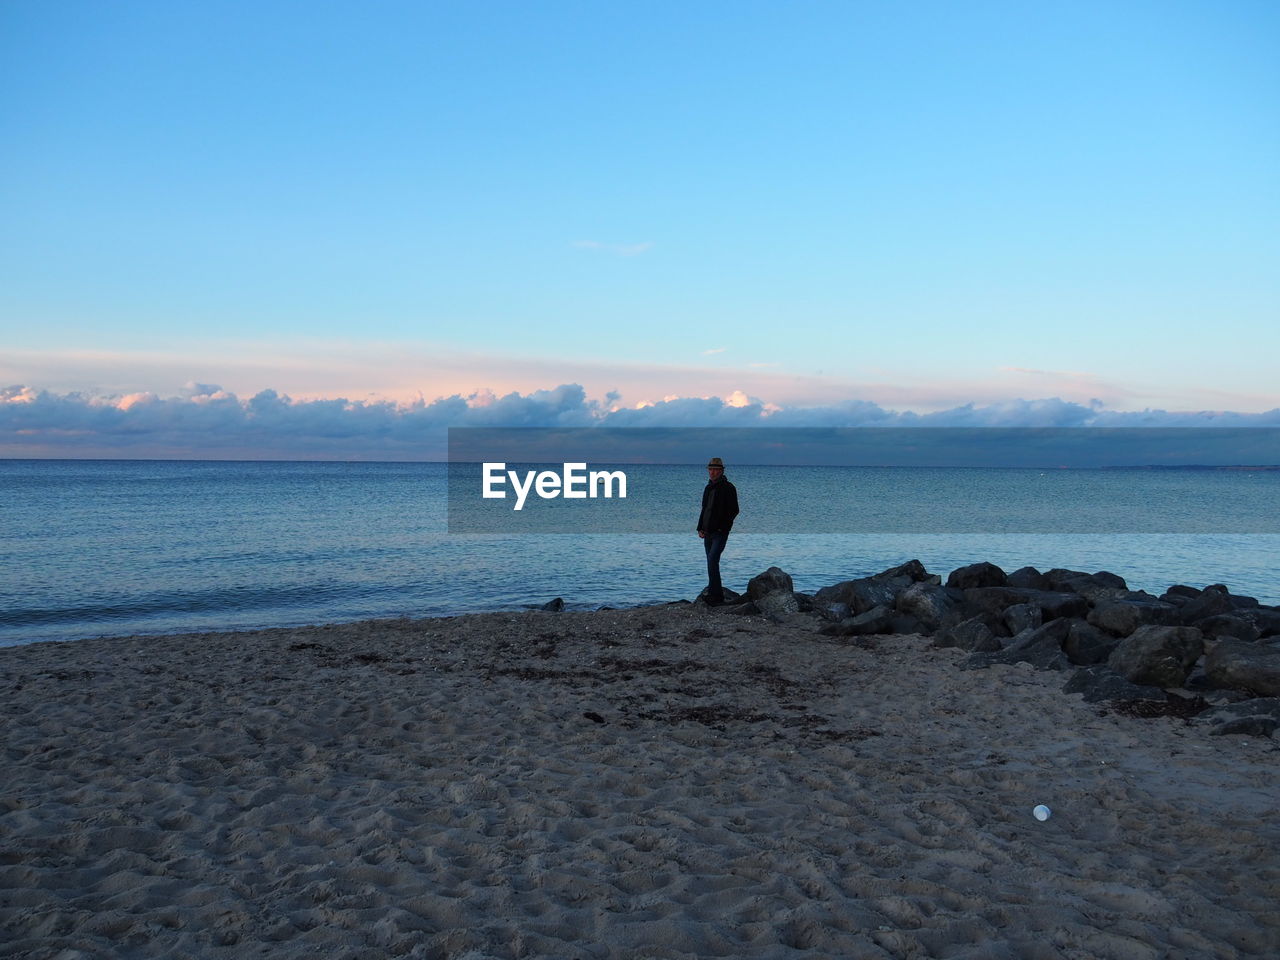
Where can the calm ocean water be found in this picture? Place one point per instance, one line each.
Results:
(91, 548)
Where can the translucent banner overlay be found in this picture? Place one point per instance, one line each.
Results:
(867, 480)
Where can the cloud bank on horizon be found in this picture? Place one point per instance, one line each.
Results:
(207, 422)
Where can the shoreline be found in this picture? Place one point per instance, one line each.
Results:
(670, 781)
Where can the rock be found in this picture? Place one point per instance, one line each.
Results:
(903, 623)
(1028, 577)
(913, 570)
(747, 609)
(835, 612)
(554, 606)
(993, 599)
(1211, 602)
(977, 575)
(1179, 593)
(869, 593)
(1061, 579)
(1237, 665)
(927, 603)
(1108, 579)
(1100, 682)
(1228, 625)
(1121, 618)
(779, 603)
(1022, 616)
(863, 594)
(1055, 605)
(805, 600)
(972, 634)
(1041, 647)
(1266, 619)
(1244, 603)
(879, 620)
(1248, 726)
(1086, 644)
(730, 598)
(770, 581)
(1158, 655)
(1268, 707)
(1091, 586)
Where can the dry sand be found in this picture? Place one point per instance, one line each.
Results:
(660, 782)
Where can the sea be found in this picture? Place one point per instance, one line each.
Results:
(122, 547)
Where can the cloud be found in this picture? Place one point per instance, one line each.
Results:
(403, 372)
(713, 351)
(206, 421)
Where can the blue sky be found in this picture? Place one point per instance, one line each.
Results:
(809, 205)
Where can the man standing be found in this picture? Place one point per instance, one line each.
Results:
(719, 507)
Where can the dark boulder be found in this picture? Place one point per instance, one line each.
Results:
(903, 623)
(1121, 617)
(1061, 579)
(1226, 625)
(805, 600)
(1055, 604)
(730, 598)
(863, 594)
(1108, 579)
(1247, 726)
(1051, 604)
(1211, 602)
(777, 604)
(1092, 586)
(553, 606)
(972, 634)
(1256, 718)
(1267, 707)
(1180, 593)
(1022, 616)
(977, 575)
(869, 593)
(1236, 665)
(913, 570)
(879, 620)
(1041, 647)
(1086, 644)
(1157, 655)
(992, 599)
(928, 603)
(771, 580)
(1099, 683)
(834, 612)
(1266, 619)
(1028, 577)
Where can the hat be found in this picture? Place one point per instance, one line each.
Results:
(716, 462)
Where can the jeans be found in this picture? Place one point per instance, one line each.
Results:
(714, 544)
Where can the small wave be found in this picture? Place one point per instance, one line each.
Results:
(190, 601)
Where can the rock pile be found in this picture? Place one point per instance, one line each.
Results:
(1210, 646)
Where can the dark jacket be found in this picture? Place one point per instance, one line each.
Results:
(719, 506)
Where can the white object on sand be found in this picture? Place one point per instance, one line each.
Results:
(1042, 812)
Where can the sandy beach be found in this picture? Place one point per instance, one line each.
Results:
(661, 782)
